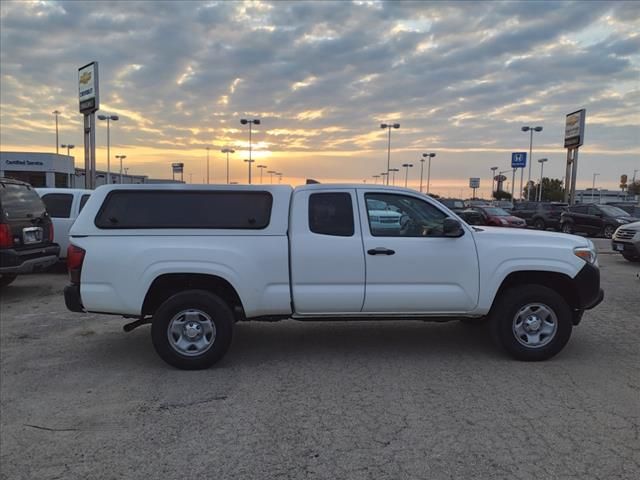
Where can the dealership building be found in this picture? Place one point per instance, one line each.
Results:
(54, 170)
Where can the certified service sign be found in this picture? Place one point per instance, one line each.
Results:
(574, 129)
(88, 92)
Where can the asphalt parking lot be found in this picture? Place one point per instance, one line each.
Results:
(364, 400)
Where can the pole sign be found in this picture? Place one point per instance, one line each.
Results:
(177, 167)
(88, 90)
(474, 182)
(574, 129)
(518, 159)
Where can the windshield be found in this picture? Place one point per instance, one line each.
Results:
(613, 211)
(497, 212)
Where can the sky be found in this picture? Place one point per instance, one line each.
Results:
(461, 79)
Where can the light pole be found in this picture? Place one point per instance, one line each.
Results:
(228, 150)
(375, 179)
(271, 174)
(493, 180)
(68, 147)
(249, 161)
(406, 166)
(261, 167)
(389, 126)
(255, 121)
(279, 175)
(208, 149)
(383, 175)
(429, 156)
(531, 130)
(56, 113)
(109, 118)
(593, 186)
(541, 161)
(121, 157)
(393, 171)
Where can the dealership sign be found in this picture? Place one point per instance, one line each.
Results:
(518, 159)
(574, 129)
(88, 89)
(177, 167)
(474, 182)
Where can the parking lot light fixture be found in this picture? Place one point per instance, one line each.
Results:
(389, 126)
(56, 113)
(249, 161)
(530, 130)
(121, 157)
(261, 167)
(250, 122)
(406, 166)
(271, 174)
(228, 150)
(493, 179)
(68, 147)
(541, 162)
(109, 119)
(393, 173)
(429, 156)
(375, 179)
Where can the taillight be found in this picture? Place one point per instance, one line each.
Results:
(51, 232)
(75, 257)
(6, 240)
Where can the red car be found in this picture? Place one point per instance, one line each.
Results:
(498, 217)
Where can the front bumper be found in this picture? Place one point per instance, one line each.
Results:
(627, 248)
(28, 261)
(588, 291)
(72, 298)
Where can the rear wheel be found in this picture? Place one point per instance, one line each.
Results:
(192, 330)
(566, 228)
(608, 231)
(531, 322)
(539, 224)
(6, 279)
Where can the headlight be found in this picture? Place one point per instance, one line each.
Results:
(503, 221)
(620, 220)
(585, 253)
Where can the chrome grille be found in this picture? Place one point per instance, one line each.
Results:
(624, 234)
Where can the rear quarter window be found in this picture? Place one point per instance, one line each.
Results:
(185, 209)
(58, 204)
(19, 201)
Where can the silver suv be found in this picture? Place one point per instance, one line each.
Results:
(626, 240)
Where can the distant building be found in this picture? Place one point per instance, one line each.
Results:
(54, 170)
(589, 195)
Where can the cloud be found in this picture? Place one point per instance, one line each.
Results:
(460, 77)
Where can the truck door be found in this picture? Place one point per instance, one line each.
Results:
(327, 257)
(411, 266)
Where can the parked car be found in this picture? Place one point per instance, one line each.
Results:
(594, 219)
(474, 202)
(472, 217)
(541, 215)
(63, 206)
(26, 232)
(499, 217)
(194, 259)
(626, 240)
(453, 204)
(503, 204)
(632, 208)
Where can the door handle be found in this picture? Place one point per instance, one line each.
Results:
(381, 251)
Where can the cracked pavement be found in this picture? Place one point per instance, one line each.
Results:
(291, 400)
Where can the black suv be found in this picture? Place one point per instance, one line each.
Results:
(594, 219)
(26, 232)
(541, 215)
(632, 208)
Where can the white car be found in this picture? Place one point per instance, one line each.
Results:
(194, 259)
(63, 206)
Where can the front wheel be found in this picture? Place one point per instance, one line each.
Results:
(608, 231)
(192, 330)
(531, 322)
(539, 224)
(566, 228)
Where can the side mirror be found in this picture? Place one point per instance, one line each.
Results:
(452, 228)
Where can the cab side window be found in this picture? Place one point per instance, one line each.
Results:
(393, 215)
(58, 204)
(331, 214)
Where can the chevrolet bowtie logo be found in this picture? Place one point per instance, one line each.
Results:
(85, 78)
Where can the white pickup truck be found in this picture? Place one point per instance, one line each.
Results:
(193, 260)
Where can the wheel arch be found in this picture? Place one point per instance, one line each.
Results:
(559, 282)
(168, 284)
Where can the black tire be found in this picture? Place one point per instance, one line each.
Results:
(211, 305)
(539, 224)
(566, 228)
(608, 231)
(503, 316)
(7, 279)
